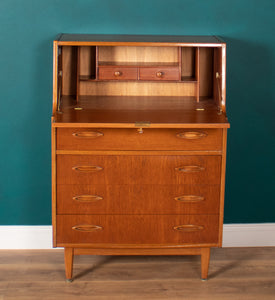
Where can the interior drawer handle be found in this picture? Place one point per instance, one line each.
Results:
(189, 228)
(117, 73)
(87, 168)
(191, 135)
(190, 169)
(87, 198)
(87, 134)
(160, 74)
(87, 228)
(189, 198)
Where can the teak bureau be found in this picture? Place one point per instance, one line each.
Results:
(138, 145)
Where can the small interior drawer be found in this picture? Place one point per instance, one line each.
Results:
(117, 73)
(139, 229)
(159, 73)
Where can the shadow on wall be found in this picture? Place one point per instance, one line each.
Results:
(250, 108)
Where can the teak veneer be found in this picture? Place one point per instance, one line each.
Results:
(139, 131)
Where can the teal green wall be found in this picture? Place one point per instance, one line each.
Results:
(27, 28)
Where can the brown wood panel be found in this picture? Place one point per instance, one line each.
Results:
(134, 88)
(188, 65)
(143, 249)
(69, 70)
(138, 199)
(96, 169)
(87, 62)
(159, 73)
(131, 139)
(222, 185)
(56, 63)
(117, 73)
(206, 72)
(134, 229)
(139, 55)
(53, 164)
(124, 111)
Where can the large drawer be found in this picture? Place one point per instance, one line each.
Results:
(138, 169)
(137, 229)
(138, 199)
(131, 139)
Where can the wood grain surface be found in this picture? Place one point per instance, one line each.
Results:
(234, 273)
(131, 139)
(137, 229)
(172, 111)
(140, 169)
(138, 199)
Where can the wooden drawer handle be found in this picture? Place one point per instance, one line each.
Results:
(160, 74)
(87, 168)
(87, 198)
(87, 134)
(189, 228)
(117, 73)
(190, 169)
(191, 135)
(87, 228)
(189, 198)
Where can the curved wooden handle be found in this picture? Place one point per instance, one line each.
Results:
(191, 135)
(189, 198)
(160, 74)
(87, 198)
(87, 228)
(189, 228)
(87, 168)
(87, 134)
(190, 169)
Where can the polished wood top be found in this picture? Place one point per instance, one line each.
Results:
(155, 40)
(126, 111)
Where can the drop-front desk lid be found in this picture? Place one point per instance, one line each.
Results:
(133, 111)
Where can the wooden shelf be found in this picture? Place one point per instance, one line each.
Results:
(188, 79)
(87, 78)
(137, 64)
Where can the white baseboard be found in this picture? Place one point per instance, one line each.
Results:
(25, 237)
(40, 237)
(249, 235)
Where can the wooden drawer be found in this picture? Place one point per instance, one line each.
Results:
(138, 169)
(138, 199)
(135, 229)
(130, 139)
(159, 73)
(117, 73)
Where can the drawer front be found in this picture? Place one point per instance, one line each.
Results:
(117, 73)
(138, 199)
(138, 169)
(129, 229)
(159, 73)
(130, 139)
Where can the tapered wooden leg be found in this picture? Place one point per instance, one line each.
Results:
(205, 257)
(69, 259)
